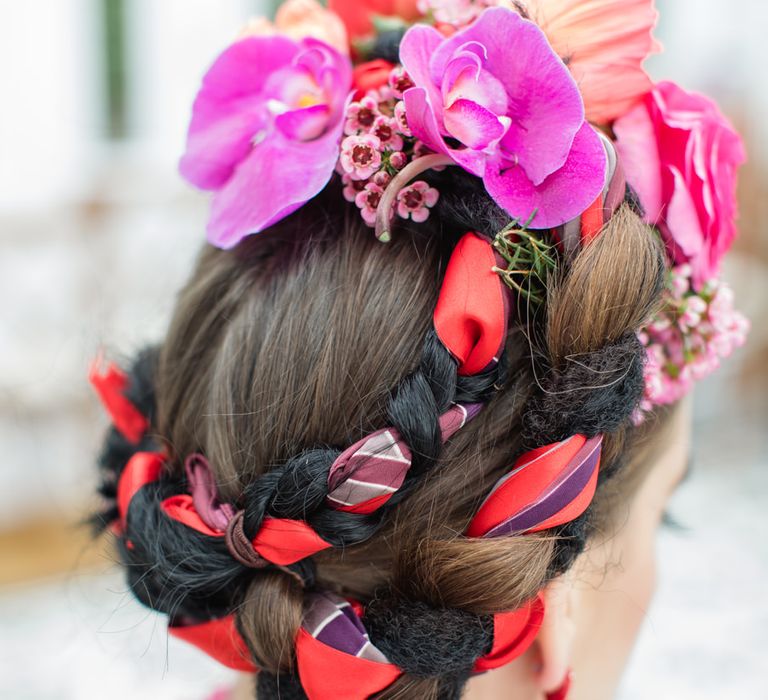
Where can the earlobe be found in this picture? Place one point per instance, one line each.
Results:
(556, 638)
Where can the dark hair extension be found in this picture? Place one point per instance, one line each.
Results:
(298, 488)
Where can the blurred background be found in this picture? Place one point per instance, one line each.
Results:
(97, 233)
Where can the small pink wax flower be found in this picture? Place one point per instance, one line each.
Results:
(401, 120)
(398, 160)
(681, 156)
(399, 81)
(361, 115)
(352, 187)
(382, 178)
(368, 200)
(266, 100)
(385, 129)
(688, 337)
(416, 200)
(360, 155)
(518, 124)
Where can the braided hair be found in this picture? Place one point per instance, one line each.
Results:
(298, 342)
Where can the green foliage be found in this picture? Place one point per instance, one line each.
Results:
(530, 257)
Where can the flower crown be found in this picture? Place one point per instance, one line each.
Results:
(285, 109)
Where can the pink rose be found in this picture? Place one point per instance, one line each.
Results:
(681, 155)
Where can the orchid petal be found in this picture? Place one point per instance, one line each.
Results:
(278, 177)
(465, 79)
(473, 125)
(563, 196)
(214, 150)
(423, 125)
(303, 124)
(416, 50)
(226, 116)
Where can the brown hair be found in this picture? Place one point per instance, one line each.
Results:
(298, 338)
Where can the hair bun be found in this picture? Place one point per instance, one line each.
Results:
(427, 641)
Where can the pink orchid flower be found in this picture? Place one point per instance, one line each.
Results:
(498, 101)
(265, 131)
(681, 156)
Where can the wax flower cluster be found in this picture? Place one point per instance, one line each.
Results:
(689, 336)
(377, 145)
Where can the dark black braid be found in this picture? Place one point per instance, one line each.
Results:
(171, 568)
(297, 489)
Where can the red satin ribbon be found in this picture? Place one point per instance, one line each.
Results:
(279, 540)
(110, 385)
(354, 678)
(592, 220)
(470, 316)
(513, 633)
(142, 468)
(220, 640)
(327, 673)
(524, 485)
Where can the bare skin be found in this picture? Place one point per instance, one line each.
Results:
(594, 612)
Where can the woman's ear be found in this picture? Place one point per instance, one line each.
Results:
(556, 637)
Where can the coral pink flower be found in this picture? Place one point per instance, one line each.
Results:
(298, 19)
(360, 156)
(368, 201)
(416, 200)
(681, 156)
(266, 100)
(518, 124)
(604, 43)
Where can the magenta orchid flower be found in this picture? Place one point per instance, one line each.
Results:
(265, 131)
(498, 101)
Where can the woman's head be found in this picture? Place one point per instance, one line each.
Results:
(417, 426)
(314, 335)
